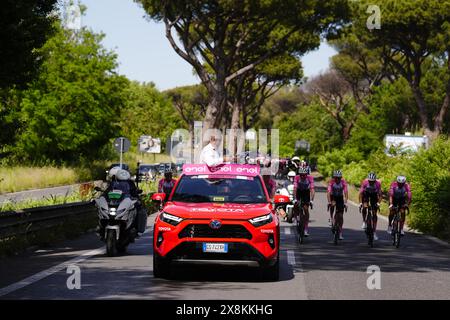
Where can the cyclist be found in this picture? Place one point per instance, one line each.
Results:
(337, 195)
(304, 193)
(399, 197)
(166, 184)
(370, 193)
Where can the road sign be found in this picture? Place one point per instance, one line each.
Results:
(122, 144)
(148, 144)
(302, 144)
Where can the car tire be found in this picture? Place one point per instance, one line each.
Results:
(161, 267)
(271, 273)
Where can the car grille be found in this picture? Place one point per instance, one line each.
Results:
(234, 231)
(236, 251)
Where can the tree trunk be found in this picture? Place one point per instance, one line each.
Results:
(214, 110)
(422, 109)
(440, 118)
(346, 130)
(235, 125)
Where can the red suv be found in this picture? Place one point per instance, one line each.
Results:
(217, 215)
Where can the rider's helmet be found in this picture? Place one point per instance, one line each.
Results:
(372, 177)
(401, 180)
(123, 175)
(294, 159)
(303, 171)
(113, 172)
(168, 174)
(337, 174)
(291, 175)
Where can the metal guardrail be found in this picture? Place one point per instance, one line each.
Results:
(26, 221)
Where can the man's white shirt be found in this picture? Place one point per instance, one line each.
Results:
(210, 156)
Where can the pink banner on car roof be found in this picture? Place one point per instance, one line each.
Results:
(223, 169)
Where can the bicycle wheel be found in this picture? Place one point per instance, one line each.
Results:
(300, 226)
(397, 235)
(369, 229)
(335, 232)
(394, 232)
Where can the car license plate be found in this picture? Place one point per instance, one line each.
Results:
(215, 247)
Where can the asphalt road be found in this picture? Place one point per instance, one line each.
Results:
(419, 269)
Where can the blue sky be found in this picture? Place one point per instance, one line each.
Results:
(145, 54)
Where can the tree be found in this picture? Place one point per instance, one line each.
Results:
(190, 102)
(249, 91)
(334, 95)
(362, 68)
(73, 108)
(206, 28)
(25, 25)
(412, 33)
(148, 112)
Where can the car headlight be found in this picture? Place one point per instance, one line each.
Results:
(169, 218)
(262, 220)
(112, 211)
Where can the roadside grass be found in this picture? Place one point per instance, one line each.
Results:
(21, 178)
(13, 179)
(46, 201)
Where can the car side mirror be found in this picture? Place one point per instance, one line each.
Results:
(159, 197)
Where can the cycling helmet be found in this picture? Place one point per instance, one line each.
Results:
(372, 176)
(401, 179)
(303, 170)
(337, 174)
(123, 175)
(291, 174)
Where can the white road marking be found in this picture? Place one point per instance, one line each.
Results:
(46, 273)
(300, 282)
(291, 257)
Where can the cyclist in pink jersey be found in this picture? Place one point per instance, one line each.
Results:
(370, 194)
(304, 193)
(337, 195)
(400, 196)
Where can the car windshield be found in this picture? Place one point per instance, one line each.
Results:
(244, 190)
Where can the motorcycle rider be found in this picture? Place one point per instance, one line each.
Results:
(294, 164)
(287, 189)
(304, 192)
(399, 196)
(121, 180)
(370, 193)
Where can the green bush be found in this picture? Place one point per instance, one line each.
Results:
(429, 173)
(337, 159)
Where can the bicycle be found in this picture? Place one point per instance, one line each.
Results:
(300, 221)
(335, 229)
(396, 221)
(370, 223)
